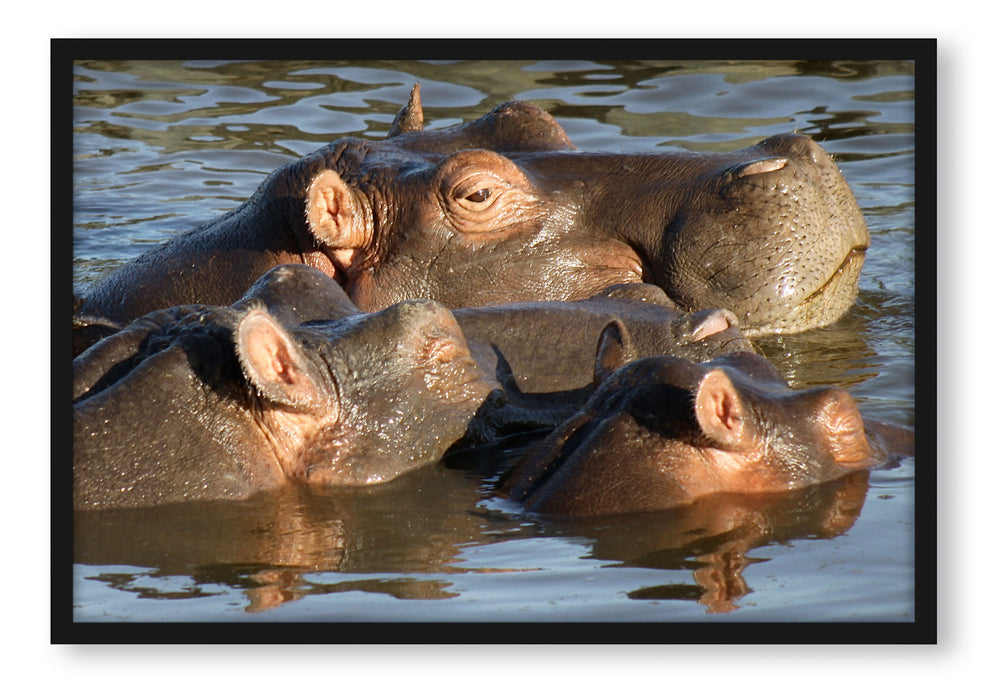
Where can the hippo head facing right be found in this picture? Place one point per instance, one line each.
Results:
(208, 403)
(664, 431)
(504, 209)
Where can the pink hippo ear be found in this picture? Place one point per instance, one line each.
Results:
(335, 218)
(615, 349)
(276, 366)
(720, 412)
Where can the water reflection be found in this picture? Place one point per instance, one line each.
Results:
(837, 355)
(267, 546)
(714, 536)
(412, 536)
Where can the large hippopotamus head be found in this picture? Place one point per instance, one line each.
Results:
(664, 431)
(505, 209)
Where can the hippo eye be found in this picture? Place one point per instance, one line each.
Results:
(476, 192)
(479, 195)
(483, 192)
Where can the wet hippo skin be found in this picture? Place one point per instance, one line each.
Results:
(547, 347)
(293, 384)
(504, 209)
(664, 431)
(215, 402)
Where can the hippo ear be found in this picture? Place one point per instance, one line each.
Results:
(410, 117)
(615, 349)
(334, 217)
(275, 365)
(720, 412)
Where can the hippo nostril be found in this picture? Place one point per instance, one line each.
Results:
(442, 347)
(758, 167)
(698, 325)
(437, 333)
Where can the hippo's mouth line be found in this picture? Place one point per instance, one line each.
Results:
(855, 255)
(827, 304)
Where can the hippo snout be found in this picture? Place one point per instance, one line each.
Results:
(424, 315)
(842, 425)
(429, 326)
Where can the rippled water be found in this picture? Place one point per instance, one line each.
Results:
(162, 146)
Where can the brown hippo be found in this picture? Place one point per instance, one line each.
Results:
(293, 384)
(664, 431)
(546, 350)
(504, 209)
(541, 355)
(205, 403)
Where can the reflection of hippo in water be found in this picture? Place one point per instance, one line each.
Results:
(268, 545)
(421, 523)
(503, 209)
(293, 384)
(661, 432)
(713, 536)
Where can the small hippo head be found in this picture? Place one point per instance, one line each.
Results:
(363, 399)
(207, 403)
(663, 431)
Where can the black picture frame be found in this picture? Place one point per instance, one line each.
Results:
(923, 630)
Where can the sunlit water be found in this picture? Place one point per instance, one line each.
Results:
(161, 147)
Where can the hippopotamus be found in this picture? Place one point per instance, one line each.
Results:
(222, 402)
(549, 347)
(504, 209)
(664, 431)
(293, 383)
